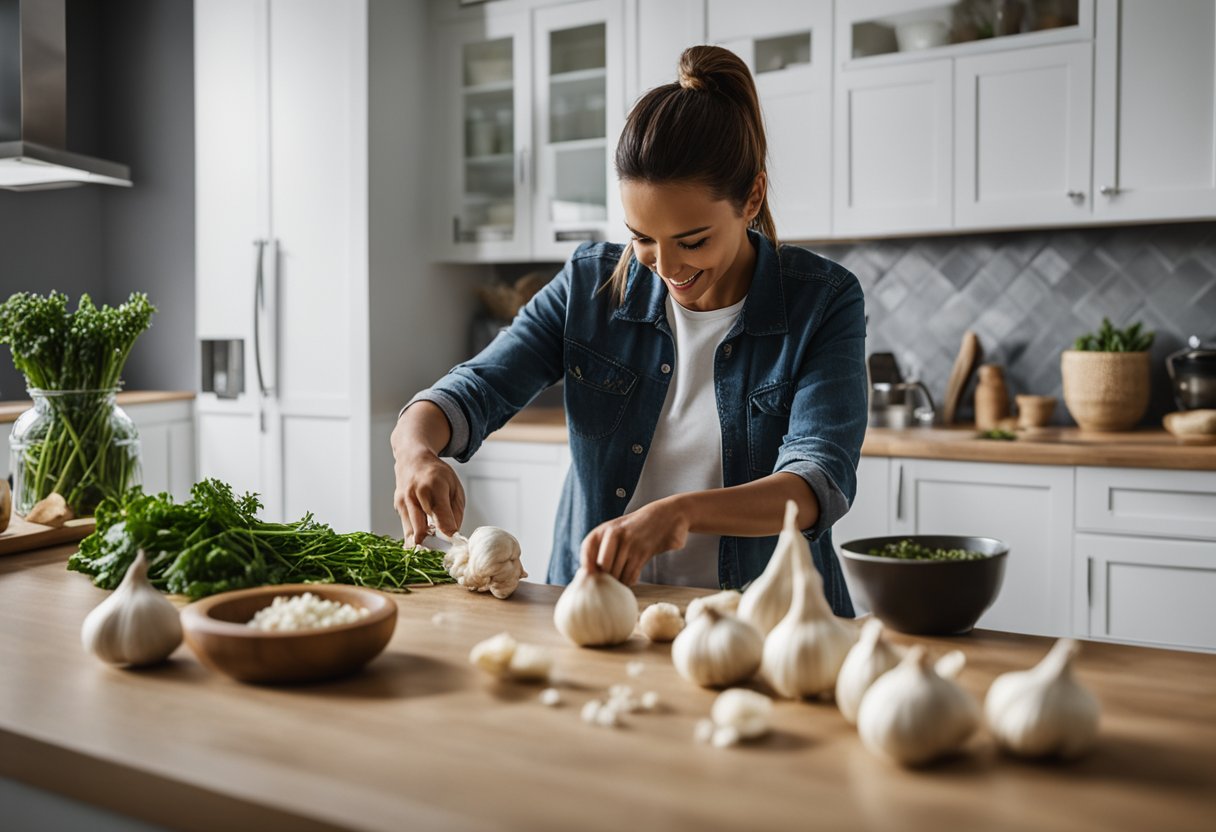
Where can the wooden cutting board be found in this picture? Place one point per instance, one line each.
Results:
(970, 353)
(22, 536)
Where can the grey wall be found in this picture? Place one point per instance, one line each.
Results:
(1028, 295)
(131, 99)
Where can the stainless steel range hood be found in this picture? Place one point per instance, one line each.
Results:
(33, 104)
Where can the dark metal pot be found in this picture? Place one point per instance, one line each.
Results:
(1193, 375)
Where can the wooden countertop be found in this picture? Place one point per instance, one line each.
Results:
(421, 740)
(10, 410)
(1147, 448)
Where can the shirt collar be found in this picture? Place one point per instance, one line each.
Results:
(763, 310)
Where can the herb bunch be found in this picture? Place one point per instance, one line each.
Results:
(214, 542)
(1109, 339)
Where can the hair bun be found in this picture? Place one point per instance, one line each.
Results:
(696, 67)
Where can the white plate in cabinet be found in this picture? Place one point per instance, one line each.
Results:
(1142, 501)
(1147, 590)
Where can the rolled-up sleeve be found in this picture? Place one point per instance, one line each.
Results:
(828, 412)
(481, 394)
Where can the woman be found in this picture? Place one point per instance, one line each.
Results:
(708, 378)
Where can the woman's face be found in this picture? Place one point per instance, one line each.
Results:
(697, 244)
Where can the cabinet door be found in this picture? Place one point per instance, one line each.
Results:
(1139, 501)
(516, 486)
(485, 135)
(870, 515)
(1154, 108)
(317, 355)
(1148, 590)
(658, 33)
(578, 94)
(790, 55)
(1022, 137)
(1029, 507)
(894, 137)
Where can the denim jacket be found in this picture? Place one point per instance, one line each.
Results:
(790, 381)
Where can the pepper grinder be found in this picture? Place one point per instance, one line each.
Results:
(991, 397)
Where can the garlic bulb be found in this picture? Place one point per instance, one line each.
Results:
(136, 625)
(717, 649)
(661, 622)
(767, 600)
(746, 711)
(1044, 710)
(804, 652)
(912, 716)
(725, 601)
(596, 609)
(486, 561)
(869, 658)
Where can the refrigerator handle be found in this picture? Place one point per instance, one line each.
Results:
(259, 304)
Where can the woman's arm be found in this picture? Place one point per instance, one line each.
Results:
(621, 547)
(426, 485)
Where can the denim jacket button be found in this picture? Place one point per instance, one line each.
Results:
(726, 350)
(666, 368)
(620, 492)
(637, 449)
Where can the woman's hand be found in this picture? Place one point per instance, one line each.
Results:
(426, 486)
(621, 547)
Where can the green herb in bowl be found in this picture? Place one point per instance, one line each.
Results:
(907, 550)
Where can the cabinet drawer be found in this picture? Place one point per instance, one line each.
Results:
(1169, 503)
(1150, 590)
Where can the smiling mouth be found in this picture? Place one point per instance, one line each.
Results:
(682, 284)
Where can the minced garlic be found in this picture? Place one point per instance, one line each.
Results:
(304, 612)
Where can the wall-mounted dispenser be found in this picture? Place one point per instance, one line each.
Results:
(223, 364)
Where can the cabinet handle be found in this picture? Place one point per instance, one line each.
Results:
(455, 229)
(259, 302)
(1076, 196)
(1109, 190)
(899, 496)
(523, 166)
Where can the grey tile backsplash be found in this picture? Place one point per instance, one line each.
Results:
(1028, 295)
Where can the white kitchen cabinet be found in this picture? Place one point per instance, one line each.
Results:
(1155, 110)
(893, 151)
(1029, 507)
(516, 486)
(656, 35)
(788, 48)
(1022, 137)
(1137, 501)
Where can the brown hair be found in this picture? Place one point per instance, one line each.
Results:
(705, 128)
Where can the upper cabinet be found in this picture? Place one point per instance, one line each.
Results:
(1155, 91)
(789, 50)
(531, 102)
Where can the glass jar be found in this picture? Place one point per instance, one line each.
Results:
(78, 443)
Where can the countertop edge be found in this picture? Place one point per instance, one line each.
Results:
(10, 410)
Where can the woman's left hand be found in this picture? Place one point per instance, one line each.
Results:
(621, 547)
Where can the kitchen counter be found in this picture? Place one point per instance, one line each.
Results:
(421, 740)
(10, 410)
(1147, 448)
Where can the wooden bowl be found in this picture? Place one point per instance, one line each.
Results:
(217, 631)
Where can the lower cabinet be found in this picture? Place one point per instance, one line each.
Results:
(516, 486)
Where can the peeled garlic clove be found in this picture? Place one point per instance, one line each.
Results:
(494, 654)
(596, 609)
(661, 622)
(745, 711)
(868, 659)
(725, 601)
(950, 665)
(717, 649)
(1043, 711)
(768, 599)
(804, 652)
(135, 625)
(530, 663)
(913, 716)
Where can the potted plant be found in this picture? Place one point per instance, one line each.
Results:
(1106, 377)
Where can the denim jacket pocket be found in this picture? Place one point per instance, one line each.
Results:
(768, 420)
(597, 391)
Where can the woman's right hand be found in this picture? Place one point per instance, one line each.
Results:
(427, 489)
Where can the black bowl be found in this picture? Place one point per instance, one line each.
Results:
(927, 597)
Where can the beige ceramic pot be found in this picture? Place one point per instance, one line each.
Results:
(1105, 391)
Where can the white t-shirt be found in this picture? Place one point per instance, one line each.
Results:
(686, 452)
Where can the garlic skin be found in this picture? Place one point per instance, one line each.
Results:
(804, 652)
(717, 649)
(725, 601)
(766, 601)
(746, 711)
(486, 561)
(868, 659)
(1043, 711)
(912, 716)
(661, 622)
(135, 625)
(596, 610)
